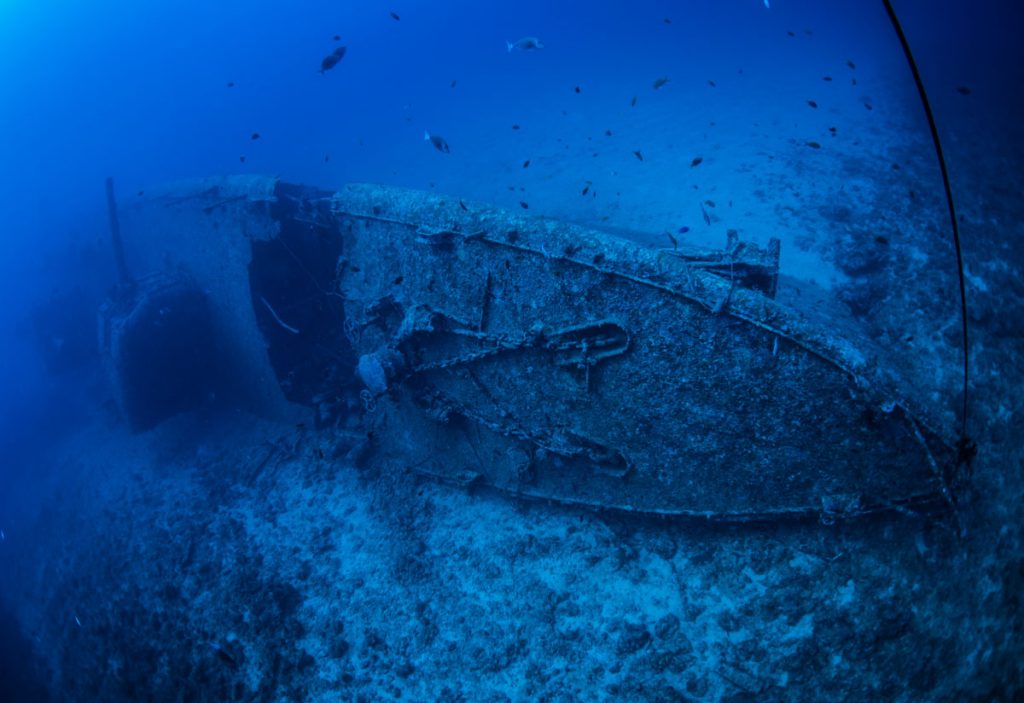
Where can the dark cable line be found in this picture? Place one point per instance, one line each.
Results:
(965, 443)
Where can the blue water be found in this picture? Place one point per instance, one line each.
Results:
(152, 92)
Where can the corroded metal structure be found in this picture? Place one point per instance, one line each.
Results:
(553, 361)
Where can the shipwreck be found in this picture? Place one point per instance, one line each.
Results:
(544, 359)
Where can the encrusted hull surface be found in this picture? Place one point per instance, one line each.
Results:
(556, 362)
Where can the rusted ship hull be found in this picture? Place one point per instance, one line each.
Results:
(555, 362)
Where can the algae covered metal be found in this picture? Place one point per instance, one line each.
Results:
(553, 361)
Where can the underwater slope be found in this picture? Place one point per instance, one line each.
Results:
(221, 558)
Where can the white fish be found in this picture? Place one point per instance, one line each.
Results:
(525, 44)
(77, 621)
(767, 5)
(2, 535)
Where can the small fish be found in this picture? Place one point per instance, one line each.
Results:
(792, 34)
(638, 155)
(525, 44)
(633, 102)
(963, 90)
(526, 164)
(394, 16)
(709, 203)
(851, 64)
(254, 136)
(463, 205)
(332, 59)
(660, 82)
(868, 106)
(523, 204)
(242, 159)
(336, 37)
(231, 84)
(515, 126)
(453, 84)
(697, 161)
(705, 215)
(327, 158)
(586, 189)
(711, 83)
(667, 21)
(577, 89)
(683, 230)
(675, 242)
(826, 78)
(439, 143)
(812, 104)
(607, 133)
(814, 145)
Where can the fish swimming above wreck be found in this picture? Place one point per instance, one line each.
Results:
(544, 359)
(438, 142)
(332, 59)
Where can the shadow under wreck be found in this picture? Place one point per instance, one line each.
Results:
(547, 360)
